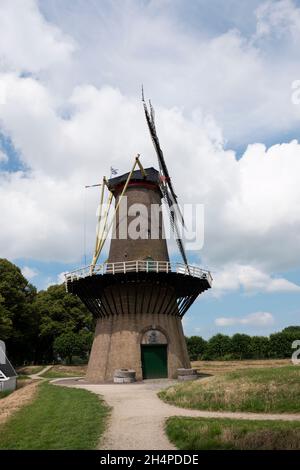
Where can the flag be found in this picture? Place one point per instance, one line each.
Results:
(113, 171)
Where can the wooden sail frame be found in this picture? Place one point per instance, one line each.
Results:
(101, 237)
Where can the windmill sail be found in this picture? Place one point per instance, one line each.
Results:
(175, 228)
(169, 194)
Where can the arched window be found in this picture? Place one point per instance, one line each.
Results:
(154, 336)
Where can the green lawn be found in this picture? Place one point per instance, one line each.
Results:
(208, 434)
(60, 371)
(23, 377)
(255, 390)
(53, 374)
(29, 370)
(58, 418)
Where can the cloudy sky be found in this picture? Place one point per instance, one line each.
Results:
(223, 79)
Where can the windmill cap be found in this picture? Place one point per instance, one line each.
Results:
(152, 177)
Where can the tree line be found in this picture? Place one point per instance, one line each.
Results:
(242, 346)
(40, 327)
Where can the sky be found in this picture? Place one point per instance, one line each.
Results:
(224, 78)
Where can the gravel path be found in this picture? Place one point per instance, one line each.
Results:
(38, 375)
(138, 415)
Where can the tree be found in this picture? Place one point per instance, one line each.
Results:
(59, 312)
(240, 346)
(218, 347)
(196, 347)
(259, 347)
(18, 320)
(5, 321)
(87, 338)
(67, 345)
(71, 344)
(281, 344)
(292, 329)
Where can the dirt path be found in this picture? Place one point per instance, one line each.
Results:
(38, 375)
(17, 400)
(138, 415)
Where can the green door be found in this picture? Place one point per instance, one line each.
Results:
(154, 361)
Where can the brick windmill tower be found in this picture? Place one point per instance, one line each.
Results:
(138, 296)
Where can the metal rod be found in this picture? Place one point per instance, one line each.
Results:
(93, 185)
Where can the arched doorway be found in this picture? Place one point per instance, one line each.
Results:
(154, 354)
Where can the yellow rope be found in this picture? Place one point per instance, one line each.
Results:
(140, 165)
(100, 241)
(110, 197)
(99, 218)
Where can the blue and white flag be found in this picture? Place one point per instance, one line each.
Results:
(113, 171)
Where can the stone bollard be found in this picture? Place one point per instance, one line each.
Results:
(124, 376)
(187, 374)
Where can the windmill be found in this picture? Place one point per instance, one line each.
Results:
(137, 296)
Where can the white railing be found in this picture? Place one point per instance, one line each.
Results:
(137, 266)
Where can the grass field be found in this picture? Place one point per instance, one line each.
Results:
(60, 371)
(207, 434)
(256, 390)
(58, 418)
(28, 370)
(222, 367)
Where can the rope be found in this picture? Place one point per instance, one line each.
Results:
(100, 242)
(84, 226)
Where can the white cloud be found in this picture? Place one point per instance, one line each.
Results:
(71, 138)
(250, 279)
(242, 79)
(256, 319)
(29, 273)
(278, 18)
(42, 217)
(51, 281)
(250, 204)
(27, 42)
